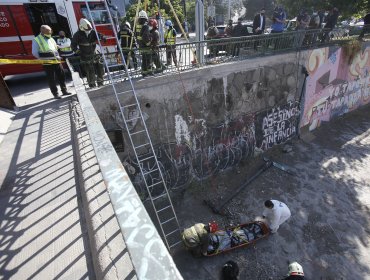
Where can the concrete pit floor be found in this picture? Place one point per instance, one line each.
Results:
(329, 231)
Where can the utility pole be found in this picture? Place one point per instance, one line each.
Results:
(229, 11)
(199, 29)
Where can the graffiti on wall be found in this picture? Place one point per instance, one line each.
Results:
(199, 155)
(276, 126)
(334, 86)
(200, 151)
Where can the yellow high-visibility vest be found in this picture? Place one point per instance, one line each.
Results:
(170, 38)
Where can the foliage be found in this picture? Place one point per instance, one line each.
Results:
(351, 49)
(346, 8)
(254, 6)
(152, 8)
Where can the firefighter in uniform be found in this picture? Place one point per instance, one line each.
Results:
(144, 38)
(84, 44)
(295, 272)
(154, 43)
(45, 47)
(170, 40)
(127, 43)
(196, 238)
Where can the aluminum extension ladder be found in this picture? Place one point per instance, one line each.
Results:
(141, 143)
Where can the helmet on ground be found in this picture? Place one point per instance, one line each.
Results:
(127, 24)
(213, 227)
(295, 269)
(168, 23)
(142, 14)
(84, 25)
(152, 22)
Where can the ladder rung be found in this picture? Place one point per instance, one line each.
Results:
(115, 65)
(164, 208)
(169, 220)
(151, 171)
(126, 91)
(172, 232)
(162, 195)
(139, 117)
(177, 243)
(109, 37)
(141, 160)
(137, 132)
(141, 146)
(130, 105)
(102, 24)
(151, 186)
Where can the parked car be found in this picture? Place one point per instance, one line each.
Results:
(248, 28)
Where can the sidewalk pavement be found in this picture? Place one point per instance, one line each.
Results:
(42, 230)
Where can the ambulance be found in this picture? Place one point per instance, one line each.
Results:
(20, 22)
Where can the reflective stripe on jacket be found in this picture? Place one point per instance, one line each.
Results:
(138, 31)
(194, 236)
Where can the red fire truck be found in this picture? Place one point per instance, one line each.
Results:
(20, 22)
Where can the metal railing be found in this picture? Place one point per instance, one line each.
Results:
(223, 50)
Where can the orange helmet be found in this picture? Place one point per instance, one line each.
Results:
(152, 22)
(213, 227)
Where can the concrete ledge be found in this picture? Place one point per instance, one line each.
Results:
(109, 252)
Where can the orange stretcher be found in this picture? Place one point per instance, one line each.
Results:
(239, 236)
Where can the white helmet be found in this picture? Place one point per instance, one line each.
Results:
(84, 25)
(295, 269)
(142, 14)
(128, 24)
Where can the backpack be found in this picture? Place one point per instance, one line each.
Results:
(230, 271)
(315, 21)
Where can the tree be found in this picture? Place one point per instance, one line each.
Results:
(346, 8)
(254, 6)
(152, 9)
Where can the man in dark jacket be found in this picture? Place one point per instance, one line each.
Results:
(366, 27)
(154, 44)
(331, 21)
(259, 24)
(237, 32)
(84, 44)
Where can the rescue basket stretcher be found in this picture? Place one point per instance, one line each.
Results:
(235, 237)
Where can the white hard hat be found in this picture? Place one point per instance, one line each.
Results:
(142, 14)
(84, 25)
(295, 269)
(128, 24)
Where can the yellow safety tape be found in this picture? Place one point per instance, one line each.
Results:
(27, 61)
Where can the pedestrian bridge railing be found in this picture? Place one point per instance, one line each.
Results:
(201, 54)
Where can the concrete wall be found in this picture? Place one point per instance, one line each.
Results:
(207, 120)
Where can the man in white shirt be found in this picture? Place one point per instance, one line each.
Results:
(276, 213)
(44, 47)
